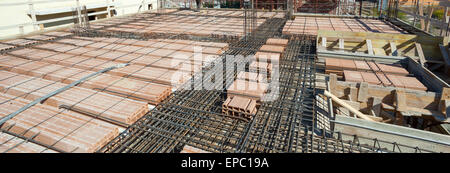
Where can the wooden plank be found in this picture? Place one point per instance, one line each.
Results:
(400, 100)
(324, 42)
(394, 51)
(422, 20)
(444, 102)
(353, 93)
(379, 51)
(376, 106)
(369, 47)
(333, 81)
(430, 80)
(420, 53)
(363, 91)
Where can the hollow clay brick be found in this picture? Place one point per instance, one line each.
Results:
(66, 130)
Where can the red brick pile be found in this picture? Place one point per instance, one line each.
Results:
(372, 73)
(245, 93)
(191, 149)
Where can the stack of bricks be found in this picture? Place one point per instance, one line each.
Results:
(238, 106)
(268, 55)
(245, 93)
(373, 73)
(63, 129)
(384, 79)
(310, 25)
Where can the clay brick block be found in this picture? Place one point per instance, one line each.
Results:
(250, 76)
(249, 89)
(383, 78)
(333, 64)
(66, 130)
(370, 78)
(362, 65)
(278, 42)
(12, 144)
(260, 67)
(392, 69)
(124, 110)
(348, 64)
(271, 48)
(267, 57)
(353, 76)
(410, 82)
(396, 81)
(373, 66)
(240, 107)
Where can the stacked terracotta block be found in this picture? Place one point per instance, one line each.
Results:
(137, 90)
(198, 26)
(384, 79)
(251, 89)
(244, 95)
(238, 106)
(116, 108)
(65, 130)
(190, 149)
(310, 25)
(12, 144)
(268, 55)
(372, 73)
(249, 76)
(277, 41)
(260, 67)
(5, 47)
(272, 48)
(334, 65)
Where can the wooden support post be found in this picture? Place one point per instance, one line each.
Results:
(324, 42)
(79, 12)
(108, 10)
(428, 22)
(394, 51)
(341, 44)
(444, 26)
(333, 82)
(400, 100)
(369, 47)
(444, 102)
(376, 106)
(363, 91)
(33, 14)
(422, 21)
(345, 105)
(445, 56)
(353, 95)
(419, 50)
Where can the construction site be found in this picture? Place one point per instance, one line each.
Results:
(225, 76)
